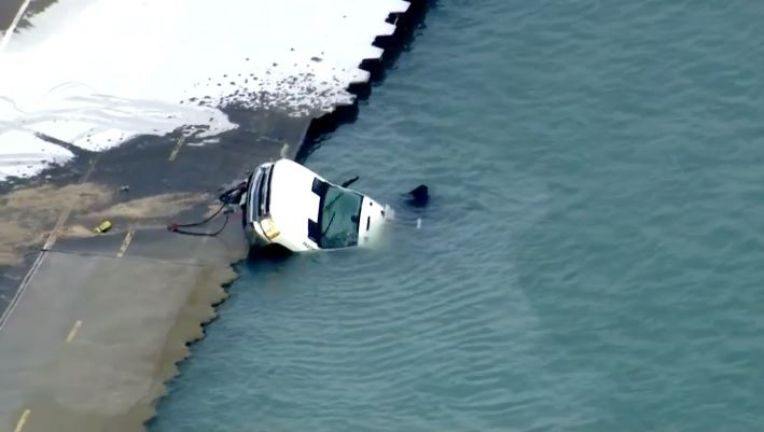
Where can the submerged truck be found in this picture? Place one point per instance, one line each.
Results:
(289, 205)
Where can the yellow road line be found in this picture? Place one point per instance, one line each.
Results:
(73, 331)
(175, 150)
(22, 420)
(125, 243)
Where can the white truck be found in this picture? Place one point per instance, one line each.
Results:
(289, 205)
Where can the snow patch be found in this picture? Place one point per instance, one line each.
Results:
(24, 153)
(95, 73)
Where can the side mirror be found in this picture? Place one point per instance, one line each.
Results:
(419, 196)
(319, 188)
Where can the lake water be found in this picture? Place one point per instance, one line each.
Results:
(592, 258)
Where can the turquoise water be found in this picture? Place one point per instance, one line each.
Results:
(592, 258)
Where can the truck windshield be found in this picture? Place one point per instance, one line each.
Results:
(339, 218)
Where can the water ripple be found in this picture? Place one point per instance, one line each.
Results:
(590, 259)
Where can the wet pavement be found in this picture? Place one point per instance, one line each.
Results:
(96, 323)
(112, 331)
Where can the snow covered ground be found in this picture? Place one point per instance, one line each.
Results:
(95, 73)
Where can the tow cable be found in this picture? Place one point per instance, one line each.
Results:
(228, 198)
(179, 228)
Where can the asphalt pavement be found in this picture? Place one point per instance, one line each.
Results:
(94, 324)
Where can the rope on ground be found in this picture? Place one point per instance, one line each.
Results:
(228, 198)
(175, 228)
(179, 228)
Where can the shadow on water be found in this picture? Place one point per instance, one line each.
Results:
(273, 253)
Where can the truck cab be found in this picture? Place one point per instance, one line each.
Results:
(289, 205)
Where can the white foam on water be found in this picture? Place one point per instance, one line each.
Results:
(95, 73)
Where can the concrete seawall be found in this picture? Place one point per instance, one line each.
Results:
(93, 326)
